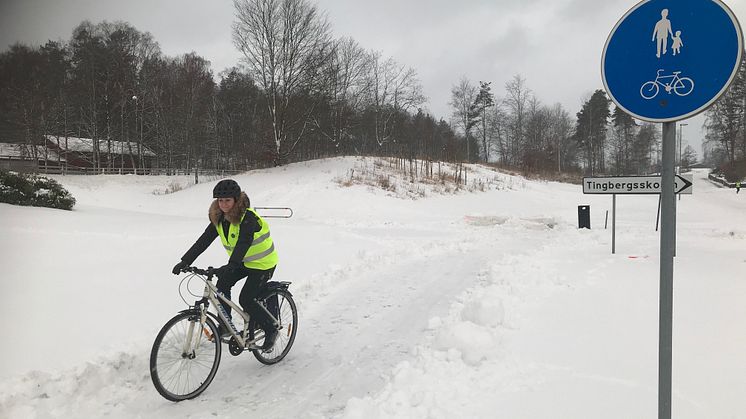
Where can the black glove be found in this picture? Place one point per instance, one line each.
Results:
(178, 267)
(226, 269)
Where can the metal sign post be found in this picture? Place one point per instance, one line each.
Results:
(613, 224)
(665, 321)
(692, 58)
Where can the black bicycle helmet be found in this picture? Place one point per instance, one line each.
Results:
(226, 188)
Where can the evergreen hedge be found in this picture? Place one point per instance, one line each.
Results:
(35, 191)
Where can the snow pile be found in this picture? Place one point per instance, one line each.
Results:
(465, 358)
(115, 381)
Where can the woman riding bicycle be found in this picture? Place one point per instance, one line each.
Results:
(252, 255)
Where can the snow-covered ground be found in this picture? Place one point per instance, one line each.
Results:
(485, 304)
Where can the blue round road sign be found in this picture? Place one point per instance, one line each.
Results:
(667, 60)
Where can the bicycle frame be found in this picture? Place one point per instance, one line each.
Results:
(675, 82)
(212, 295)
(674, 78)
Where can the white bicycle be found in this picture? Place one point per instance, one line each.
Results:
(682, 86)
(186, 352)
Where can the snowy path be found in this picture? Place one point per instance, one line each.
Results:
(352, 340)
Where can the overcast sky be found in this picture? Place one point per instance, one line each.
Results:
(555, 45)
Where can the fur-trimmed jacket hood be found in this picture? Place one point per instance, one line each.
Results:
(234, 215)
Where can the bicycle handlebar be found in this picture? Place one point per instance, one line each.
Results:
(209, 272)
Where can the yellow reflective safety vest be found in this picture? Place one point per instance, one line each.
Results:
(261, 253)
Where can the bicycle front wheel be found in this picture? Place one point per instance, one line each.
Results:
(185, 357)
(280, 303)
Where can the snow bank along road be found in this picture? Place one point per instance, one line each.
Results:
(460, 306)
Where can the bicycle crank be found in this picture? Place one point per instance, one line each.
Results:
(234, 348)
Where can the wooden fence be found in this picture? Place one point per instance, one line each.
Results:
(203, 175)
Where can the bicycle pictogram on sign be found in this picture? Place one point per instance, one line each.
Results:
(682, 86)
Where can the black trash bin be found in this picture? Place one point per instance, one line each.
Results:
(584, 216)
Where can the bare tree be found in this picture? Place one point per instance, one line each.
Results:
(560, 133)
(344, 86)
(392, 89)
(462, 97)
(536, 133)
(516, 102)
(284, 43)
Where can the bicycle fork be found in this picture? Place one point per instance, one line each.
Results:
(188, 349)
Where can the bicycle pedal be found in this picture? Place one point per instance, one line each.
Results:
(227, 338)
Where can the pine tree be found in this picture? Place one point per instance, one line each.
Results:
(590, 130)
(624, 130)
(484, 100)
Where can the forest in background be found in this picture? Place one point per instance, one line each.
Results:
(300, 93)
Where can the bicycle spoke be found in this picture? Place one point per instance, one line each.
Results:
(183, 367)
(174, 374)
(286, 316)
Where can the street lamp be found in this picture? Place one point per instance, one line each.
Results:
(122, 141)
(139, 154)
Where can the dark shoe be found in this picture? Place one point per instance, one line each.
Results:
(270, 337)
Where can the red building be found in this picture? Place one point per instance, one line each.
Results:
(80, 153)
(29, 158)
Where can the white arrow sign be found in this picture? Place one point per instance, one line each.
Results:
(634, 185)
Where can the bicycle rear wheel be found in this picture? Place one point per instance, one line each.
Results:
(280, 303)
(185, 357)
(683, 86)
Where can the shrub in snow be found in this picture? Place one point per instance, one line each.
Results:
(418, 179)
(172, 187)
(14, 189)
(48, 193)
(36, 191)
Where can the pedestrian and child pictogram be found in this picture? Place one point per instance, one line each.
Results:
(661, 32)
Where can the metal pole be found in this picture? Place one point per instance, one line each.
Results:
(665, 322)
(613, 224)
(658, 214)
(678, 162)
(280, 212)
(675, 211)
(606, 220)
(681, 144)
